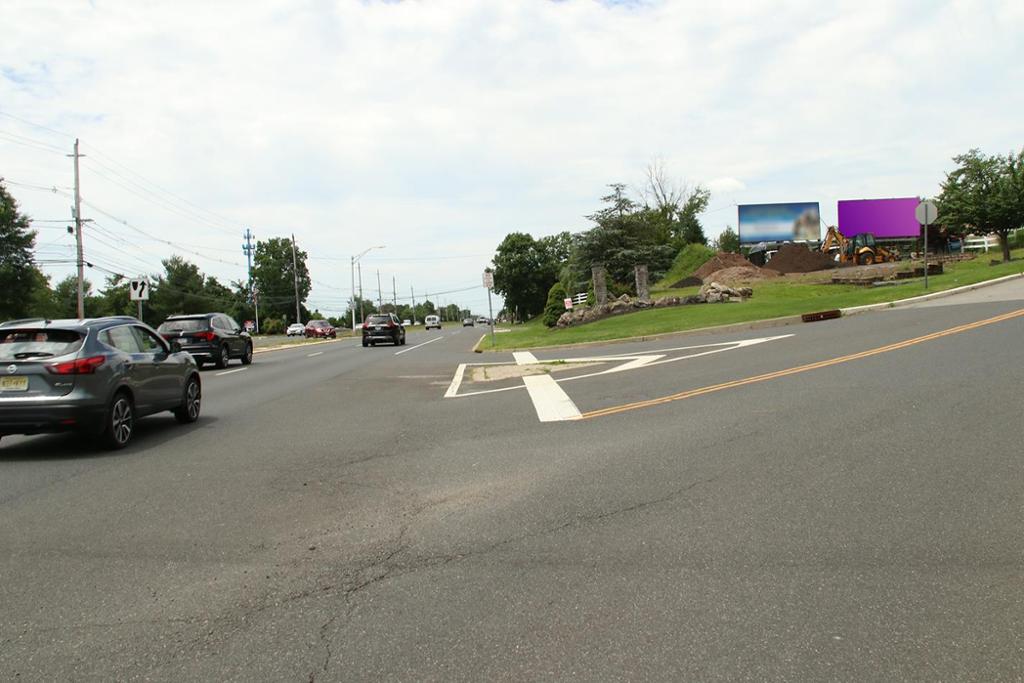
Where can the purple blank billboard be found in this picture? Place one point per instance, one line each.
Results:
(884, 218)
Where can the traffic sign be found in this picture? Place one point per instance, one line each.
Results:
(568, 303)
(926, 212)
(138, 289)
(488, 279)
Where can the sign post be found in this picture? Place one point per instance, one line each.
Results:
(926, 213)
(138, 290)
(489, 284)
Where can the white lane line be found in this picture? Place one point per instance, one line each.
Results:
(231, 372)
(453, 388)
(551, 403)
(524, 358)
(318, 353)
(413, 348)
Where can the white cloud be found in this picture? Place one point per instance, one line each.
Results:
(438, 127)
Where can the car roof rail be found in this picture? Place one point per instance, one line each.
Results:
(22, 321)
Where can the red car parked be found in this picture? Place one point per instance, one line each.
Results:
(320, 328)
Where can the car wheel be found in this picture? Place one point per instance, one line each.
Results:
(365, 344)
(403, 340)
(191, 402)
(120, 425)
(224, 358)
(373, 343)
(247, 355)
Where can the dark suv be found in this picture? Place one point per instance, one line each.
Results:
(383, 327)
(209, 337)
(96, 376)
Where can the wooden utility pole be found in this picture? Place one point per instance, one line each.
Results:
(78, 236)
(295, 278)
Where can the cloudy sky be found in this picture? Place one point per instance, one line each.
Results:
(435, 128)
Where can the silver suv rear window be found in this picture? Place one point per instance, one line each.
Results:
(22, 344)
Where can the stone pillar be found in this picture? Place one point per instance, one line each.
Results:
(643, 292)
(600, 286)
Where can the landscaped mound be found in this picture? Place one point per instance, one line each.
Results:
(711, 293)
(721, 261)
(690, 258)
(797, 258)
(743, 274)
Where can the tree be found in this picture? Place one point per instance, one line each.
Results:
(690, 230)
(524, 270)
(20, 279)
(64, 298)
(555, 306)
(984, 194)
(729, 241)
(273, 275)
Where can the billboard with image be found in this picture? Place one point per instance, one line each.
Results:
(779, 222)
(883, 218)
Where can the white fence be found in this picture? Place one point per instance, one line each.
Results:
(985, 242)
(580, 298)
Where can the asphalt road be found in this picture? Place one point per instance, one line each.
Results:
(840, 502)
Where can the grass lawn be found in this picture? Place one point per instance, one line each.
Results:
(772, 299)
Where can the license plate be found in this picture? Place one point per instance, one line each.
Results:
(13, 383)
(376, 328)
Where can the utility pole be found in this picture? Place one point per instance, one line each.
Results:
(295, 278)
(380, 295)
(78, 235)
(362, 315)
(412, 292)
(394, 294)
(247, 249)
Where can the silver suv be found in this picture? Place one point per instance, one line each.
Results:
(96, 376)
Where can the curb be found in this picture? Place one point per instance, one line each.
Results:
(304, 344)
(784, 321)
(856, 310)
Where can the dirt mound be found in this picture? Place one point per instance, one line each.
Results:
(741, 274)
(797, 258)
(691, 281)
(720, 261)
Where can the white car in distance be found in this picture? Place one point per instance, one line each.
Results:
(296, 330)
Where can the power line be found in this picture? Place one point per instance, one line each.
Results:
(145, 194)
(224, 219)
(29, 142)
(37, 125)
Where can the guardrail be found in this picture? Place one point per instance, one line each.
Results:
(986, 242)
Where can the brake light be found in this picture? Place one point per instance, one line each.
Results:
(366, 325)
(81, 366)
(205, 336)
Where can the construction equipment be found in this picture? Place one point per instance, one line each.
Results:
(861, 250)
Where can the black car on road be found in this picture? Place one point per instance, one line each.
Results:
(95, 376)
(210, 337)
(383, 327)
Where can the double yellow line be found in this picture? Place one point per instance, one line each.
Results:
(692, 393)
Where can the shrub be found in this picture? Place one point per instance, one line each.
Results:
(555, 306)
(272, 326)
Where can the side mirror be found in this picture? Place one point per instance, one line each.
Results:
(175, 346)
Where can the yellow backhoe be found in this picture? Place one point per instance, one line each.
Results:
(861, 250)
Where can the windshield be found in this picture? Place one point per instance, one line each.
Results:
(35, 343)
(184, 325)
(378, 319)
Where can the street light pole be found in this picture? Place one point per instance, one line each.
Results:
(353, 261)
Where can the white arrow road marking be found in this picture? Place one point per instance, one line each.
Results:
(553, 404)
(549, 400)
